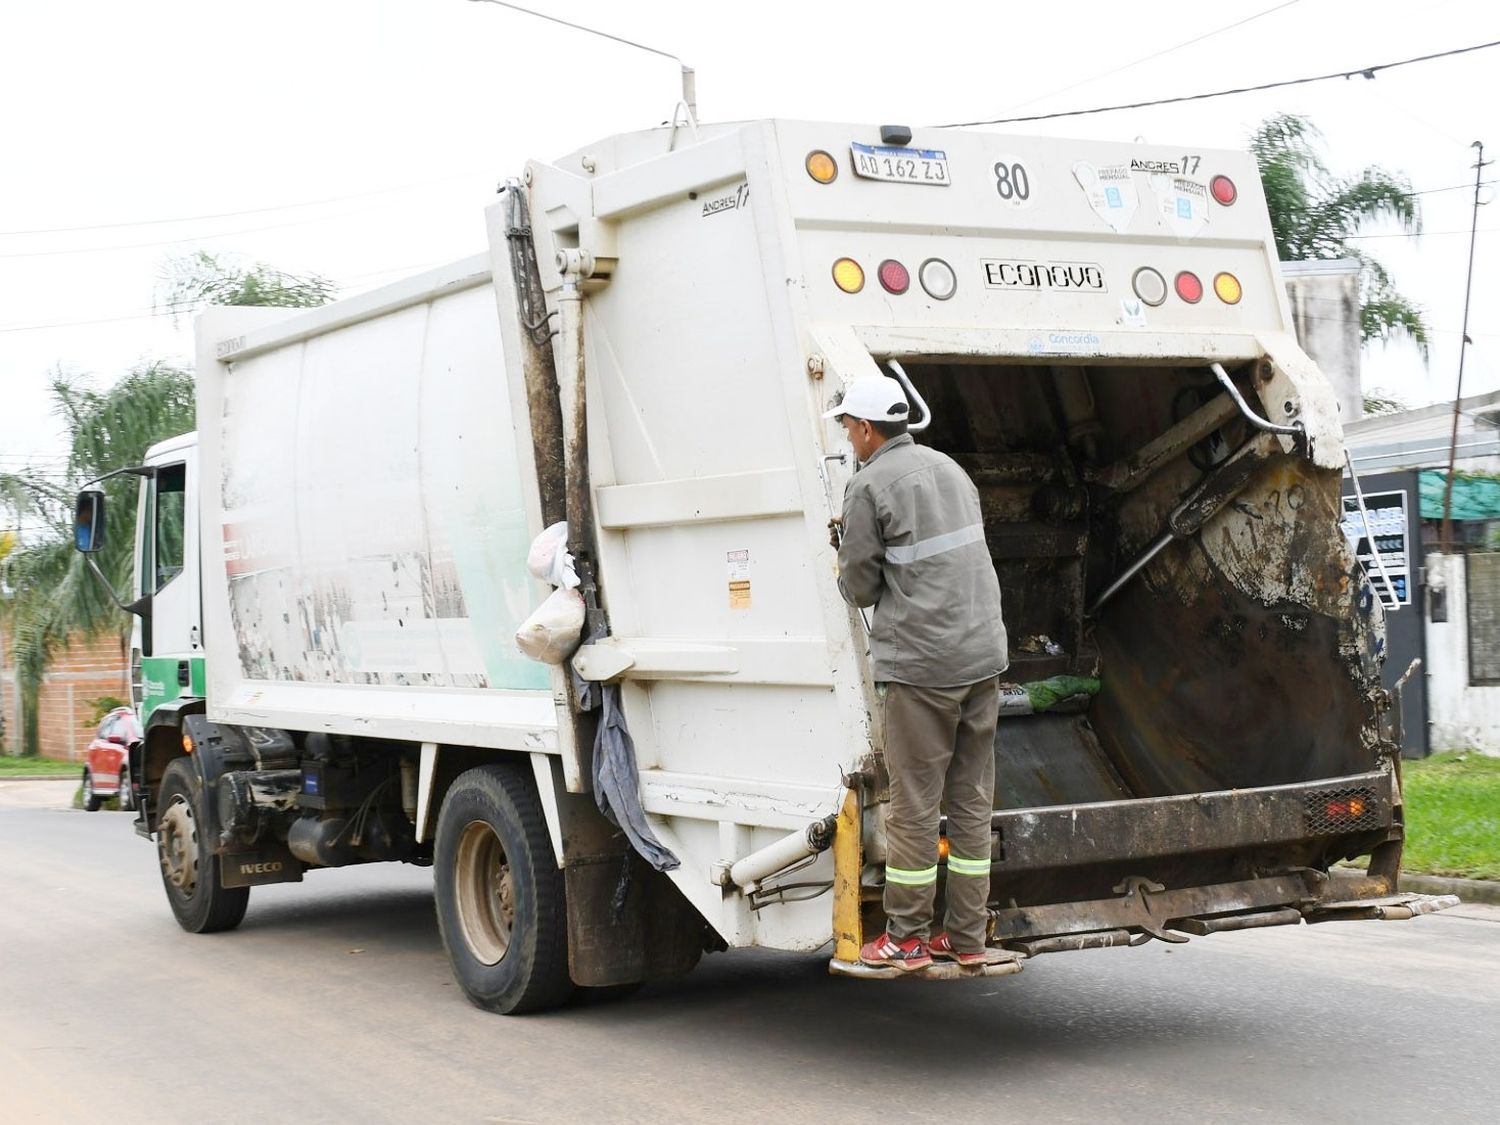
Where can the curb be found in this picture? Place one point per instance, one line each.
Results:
(1469, 890)
(37, 777)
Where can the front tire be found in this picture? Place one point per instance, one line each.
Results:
(92, 802)
(189, 869)
(499, 893)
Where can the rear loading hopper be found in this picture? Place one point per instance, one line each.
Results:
(1191, 729)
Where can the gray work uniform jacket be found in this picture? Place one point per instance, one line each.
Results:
(914, 548)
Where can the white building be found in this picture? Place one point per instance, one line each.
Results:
(1456, 593)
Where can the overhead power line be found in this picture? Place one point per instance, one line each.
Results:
(1450, 187)
(1357, 72)
(151, 314)
(339, 217)
(689, 79)
(251, 211)
(1156, 54)
(580, 27)
(1423, 233)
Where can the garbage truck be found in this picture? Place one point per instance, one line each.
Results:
(330, 574)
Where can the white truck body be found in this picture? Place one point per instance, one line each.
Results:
(372, 483)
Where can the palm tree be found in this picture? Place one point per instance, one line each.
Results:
(46, 591)
(1314, 214)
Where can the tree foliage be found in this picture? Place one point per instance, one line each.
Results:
(46, 590)
(191, 281)
(1380, 401)
(1314, 214)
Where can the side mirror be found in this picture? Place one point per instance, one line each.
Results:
(116, 739)
(88, 521)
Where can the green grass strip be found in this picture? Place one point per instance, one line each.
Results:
(1453, 816)
(36, 767)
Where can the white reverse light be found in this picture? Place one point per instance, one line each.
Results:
(938, 278)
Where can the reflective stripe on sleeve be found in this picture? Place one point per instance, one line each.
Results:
(958, 865)
(926, 548)
(899, 875)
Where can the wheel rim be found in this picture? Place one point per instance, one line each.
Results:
(88, 789)
(124, 794)
(178, 844)
(485, 893)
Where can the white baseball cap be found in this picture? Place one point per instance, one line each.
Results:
(875, 398)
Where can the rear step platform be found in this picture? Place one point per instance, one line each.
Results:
(1391, 908)
(938, 970)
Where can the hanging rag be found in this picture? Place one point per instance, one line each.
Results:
(617, 784)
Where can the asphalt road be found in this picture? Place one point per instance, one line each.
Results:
(333, 1003)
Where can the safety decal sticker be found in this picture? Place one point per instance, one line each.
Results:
(1111, 192)
(739, 579)
(1183, 204)
(1132, 312)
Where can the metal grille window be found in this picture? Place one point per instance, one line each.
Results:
(1331, 811)
(1482, 586)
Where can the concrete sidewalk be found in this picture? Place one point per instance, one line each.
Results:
(38, 793)
(1470, 890)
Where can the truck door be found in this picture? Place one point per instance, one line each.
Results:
(171, 640)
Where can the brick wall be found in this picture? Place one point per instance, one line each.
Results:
(86, 669)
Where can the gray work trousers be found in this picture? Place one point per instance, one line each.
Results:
(940, 753)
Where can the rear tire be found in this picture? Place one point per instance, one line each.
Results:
(92, 802)
(189, 869)
(499, 893)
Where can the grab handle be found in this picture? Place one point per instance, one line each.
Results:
(900, 373)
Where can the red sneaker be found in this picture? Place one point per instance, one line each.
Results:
(942, 946)
(905, 955)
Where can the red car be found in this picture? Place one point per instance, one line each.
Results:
(106, 770)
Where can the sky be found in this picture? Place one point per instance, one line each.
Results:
(362, 139)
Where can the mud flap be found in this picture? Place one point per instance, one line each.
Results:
(627, 923)
(269, 863)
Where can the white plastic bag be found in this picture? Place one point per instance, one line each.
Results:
(552, 632)
(549, 558)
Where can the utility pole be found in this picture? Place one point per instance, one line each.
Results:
(1463, 345)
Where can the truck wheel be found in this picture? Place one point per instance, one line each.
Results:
(189, 870)
(92, 802)
(500, 894)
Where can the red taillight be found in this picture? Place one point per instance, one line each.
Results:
(1189, 287)
(1223, 190)
(893, 276)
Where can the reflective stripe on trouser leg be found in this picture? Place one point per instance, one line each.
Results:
(919, 737)
(958, 865)
(969, 800)
(924, 878)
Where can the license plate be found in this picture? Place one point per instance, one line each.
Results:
(900, 165)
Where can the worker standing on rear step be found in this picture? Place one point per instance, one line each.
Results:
(913, 547)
